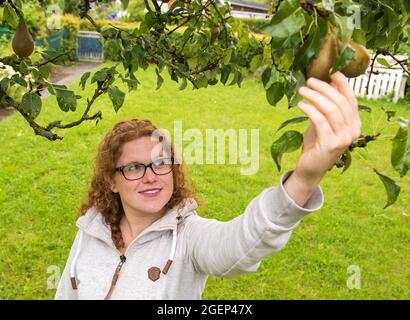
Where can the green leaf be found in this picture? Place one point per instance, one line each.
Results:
(160, 80)
(44, 71)
(132, 83)
(236, 79)
(312, 45)
(344, 59)
(275, 92)
(256, 62)
(225, 71)
(18, 79)
(286, 43)
(266, 76)
(117, 97)
(391, 187)
(345, 29)
(292, 121)
(84, 78)
(150, 19)
(288, 26)
(183, 84)
(66, 99)
(288, 142)
(200, 81)
(286, 8)
(31, 104)
(400, 155)
(4, 84)
(100, 75)
(383, 62)
(10, 16)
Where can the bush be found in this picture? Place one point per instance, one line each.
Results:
(71, 6)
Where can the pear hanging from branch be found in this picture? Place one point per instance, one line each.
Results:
(23, 44)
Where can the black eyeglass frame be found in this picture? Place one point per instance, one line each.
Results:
(149, 165)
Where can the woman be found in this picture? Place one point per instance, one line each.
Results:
(139, 235)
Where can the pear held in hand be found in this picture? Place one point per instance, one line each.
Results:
(23, 44)
(320, 66)
(359, 63)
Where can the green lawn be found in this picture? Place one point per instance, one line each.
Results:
(42, 185)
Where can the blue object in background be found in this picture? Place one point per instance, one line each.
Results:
(6, 31)
(89, 46)
(54, 40)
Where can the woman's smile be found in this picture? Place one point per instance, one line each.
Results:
(151, 193)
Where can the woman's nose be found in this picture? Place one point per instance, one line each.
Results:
(149, 175)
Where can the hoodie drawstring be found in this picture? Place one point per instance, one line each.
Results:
(73, 263)
(172, 253)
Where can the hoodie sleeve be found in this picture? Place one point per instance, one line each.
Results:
(227, 249)
(64, 289)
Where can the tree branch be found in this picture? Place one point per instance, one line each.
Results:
(54, 58)
(371, 71)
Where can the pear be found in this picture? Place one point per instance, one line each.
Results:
(319, 67)
(359, 63)
(215, 31)
(23, 44)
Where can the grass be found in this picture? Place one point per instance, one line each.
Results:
(42, 185)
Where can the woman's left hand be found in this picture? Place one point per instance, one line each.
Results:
(333, 110)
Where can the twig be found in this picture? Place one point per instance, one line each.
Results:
(54, 58)
(85, 116)
(38, 130)
(400, 62)
(179, 26)
(147, 5)
(156, 6)
(371, 71)
(95, 25)
(84, 14)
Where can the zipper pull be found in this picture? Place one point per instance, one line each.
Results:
(114, 280)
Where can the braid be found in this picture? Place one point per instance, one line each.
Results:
(116, 234)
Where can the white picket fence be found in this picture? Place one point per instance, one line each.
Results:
(389, 82)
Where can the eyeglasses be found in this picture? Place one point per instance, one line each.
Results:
(136, 170)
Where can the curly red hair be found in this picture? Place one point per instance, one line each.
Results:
(108, 203)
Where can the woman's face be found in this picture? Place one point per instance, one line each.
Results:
(134, 199)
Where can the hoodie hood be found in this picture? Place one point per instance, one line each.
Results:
(94, 225)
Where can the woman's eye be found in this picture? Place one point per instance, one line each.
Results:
(133, 167)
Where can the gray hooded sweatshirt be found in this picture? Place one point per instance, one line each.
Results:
(172, 258)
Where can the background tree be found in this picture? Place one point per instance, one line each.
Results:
(200, 43)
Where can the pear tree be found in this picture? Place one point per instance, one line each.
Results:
(198, 43)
